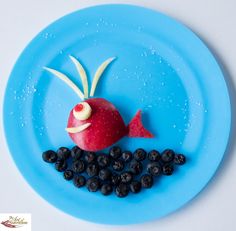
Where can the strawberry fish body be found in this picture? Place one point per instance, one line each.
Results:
(104, 125)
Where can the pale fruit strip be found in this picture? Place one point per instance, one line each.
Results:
(82, 74)
(67, 81)
(78, 129)
(99, 73)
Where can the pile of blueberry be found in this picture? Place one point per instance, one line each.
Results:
(117, 171)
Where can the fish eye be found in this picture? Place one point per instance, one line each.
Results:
(82, 111)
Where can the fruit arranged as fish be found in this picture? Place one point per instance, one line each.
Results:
(95, 123)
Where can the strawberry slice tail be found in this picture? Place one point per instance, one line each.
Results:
(136, 128)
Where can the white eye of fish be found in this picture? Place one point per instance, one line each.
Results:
(82, 111)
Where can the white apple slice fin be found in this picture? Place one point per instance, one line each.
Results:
(78, 129)
(99, 73)
(82, 74)
(64, 78)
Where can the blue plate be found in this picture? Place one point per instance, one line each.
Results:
(161, 67)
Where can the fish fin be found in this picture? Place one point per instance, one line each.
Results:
(136, 128)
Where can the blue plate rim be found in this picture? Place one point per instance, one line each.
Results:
(194, 36)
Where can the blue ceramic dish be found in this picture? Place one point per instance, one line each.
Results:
(162, 68)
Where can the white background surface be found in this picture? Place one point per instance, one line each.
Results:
(215, 22)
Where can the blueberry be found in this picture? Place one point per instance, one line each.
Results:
(61, 165)
(140, 154)
(167, 156)
(118, 165)
(63, 153)
(136, 167)
(89, 157)
(79, 181)
(115, 179)
(92, 169)
(103, 160)
(68, 174)
(105, 174)
(179, 159)
(154, 168)
(122, 190)
(106, 189)
(93, 184)
(154, 155)
(167, 170)
(126, 177)
(115, 152)
(126, 156)
(78, 166)
(135, 186)
(49, 156)
(76, 153)
(146, 181)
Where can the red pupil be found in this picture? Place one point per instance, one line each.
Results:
(79, 107)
